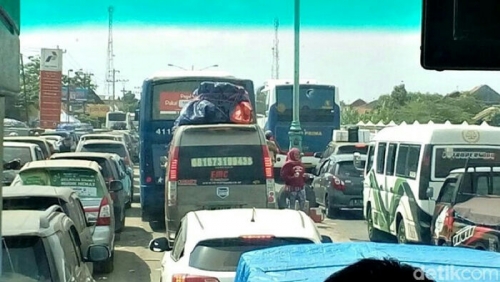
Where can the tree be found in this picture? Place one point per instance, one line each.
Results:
(32, 87)
(129, 102)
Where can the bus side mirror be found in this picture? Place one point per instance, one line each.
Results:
(357, 161)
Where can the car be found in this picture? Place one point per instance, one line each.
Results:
(110, 170)
(101, 136)
(209, 243)
(339, 148)
(106, 146)
(216, 166)
(40, 198)
(86, 179)
(41, 142)
(339, 184)
(45, 246)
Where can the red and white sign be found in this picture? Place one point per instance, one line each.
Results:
(50, 87)
(173, 102)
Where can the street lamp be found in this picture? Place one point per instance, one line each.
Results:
(176, 66)
(295, 134)
(67, 95)
(212, 66)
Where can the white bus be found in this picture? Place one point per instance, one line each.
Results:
(405, 169)
(113, 118)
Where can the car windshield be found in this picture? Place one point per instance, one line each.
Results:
(84, 181)
(25, 256)
(224, 254)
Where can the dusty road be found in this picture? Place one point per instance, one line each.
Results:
(135, 262)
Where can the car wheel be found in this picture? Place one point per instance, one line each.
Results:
(374, 234)
(108, 265)
(331, 212)
(401, 232)
(122, 223)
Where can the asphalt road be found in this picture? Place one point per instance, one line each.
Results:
(135, 262)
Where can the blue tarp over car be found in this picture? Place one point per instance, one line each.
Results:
(315, 262)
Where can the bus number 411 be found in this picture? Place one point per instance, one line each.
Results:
(163, 131)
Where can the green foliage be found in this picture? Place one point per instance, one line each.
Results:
(405, 106)
(129, 102)
(30, 87)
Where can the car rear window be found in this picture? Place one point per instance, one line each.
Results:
(84, 181)
(224, 254)
(105, 148)
(32, 203)
(351, 149)
(347, 169)
(23, 153)
(103, 163)
(221, 164)
(25, 256)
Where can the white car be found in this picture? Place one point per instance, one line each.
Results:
(209, 243)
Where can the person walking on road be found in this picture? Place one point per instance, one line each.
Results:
(293, 173)
(271, 145)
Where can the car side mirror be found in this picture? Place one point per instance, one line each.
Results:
(159, 245)
(326, 239)
(115, 186)
(430, 192)
(15, 164)
(318, 155)
(97, 253)
(122, 174)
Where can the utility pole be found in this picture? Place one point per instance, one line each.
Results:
(26, 108)
(110, 53)
(295, 134)
(275, 70)
(113, 82)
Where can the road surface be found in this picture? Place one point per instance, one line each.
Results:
(135, 262)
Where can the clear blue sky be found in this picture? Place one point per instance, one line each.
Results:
(328, 14)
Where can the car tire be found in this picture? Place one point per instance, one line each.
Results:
(108, 265)
(401, 232)
(374, 235)
(331, 212)
(121, 224)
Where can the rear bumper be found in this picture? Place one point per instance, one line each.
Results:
(103, 235)
(338, 200)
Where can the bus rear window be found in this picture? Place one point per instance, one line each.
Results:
(316, 101)
(450, 158)
(117, 116)
(224, 254)
(221, 164)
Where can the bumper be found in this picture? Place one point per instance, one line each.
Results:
(152, 202)
(338, 199)
(103, 235)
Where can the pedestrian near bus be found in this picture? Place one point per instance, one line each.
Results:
(293, 173)
(271, 145)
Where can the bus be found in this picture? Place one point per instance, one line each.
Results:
(116, 117)
(162, 98)
(319, 116)
(405, 169)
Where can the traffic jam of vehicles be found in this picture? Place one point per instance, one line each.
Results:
(227, 194)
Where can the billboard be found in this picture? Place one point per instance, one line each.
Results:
(50, 87)
(97, 110)
(76, 94)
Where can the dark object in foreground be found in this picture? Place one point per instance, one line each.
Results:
(383, 270)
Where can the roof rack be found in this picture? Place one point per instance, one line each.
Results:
(48, 214)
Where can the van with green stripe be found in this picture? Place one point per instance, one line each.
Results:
(405, 168)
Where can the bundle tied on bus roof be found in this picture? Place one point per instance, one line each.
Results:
(217, 102)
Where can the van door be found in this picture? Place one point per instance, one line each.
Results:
(380, 204)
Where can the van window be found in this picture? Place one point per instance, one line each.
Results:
(224, 254)
(85, 182)
(381, 157)
(221, 164)
(371, 154)
(407, 161)
(391, 159)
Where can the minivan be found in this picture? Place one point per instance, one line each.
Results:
(217, 166)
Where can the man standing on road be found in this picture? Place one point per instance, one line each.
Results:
(273, 148)
(293, 173)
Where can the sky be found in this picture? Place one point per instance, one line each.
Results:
(363, 47)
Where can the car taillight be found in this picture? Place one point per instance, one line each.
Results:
(173, 164)
(338, 184)
(269, 173)
(193, 278)
(103, 213)
(257, 237)
(149, 179)
(268, 163)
